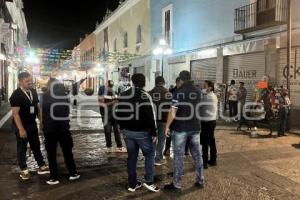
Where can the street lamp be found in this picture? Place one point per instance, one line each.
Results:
(162, 49)
(32, 60)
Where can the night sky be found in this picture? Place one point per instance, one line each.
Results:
(61, 23)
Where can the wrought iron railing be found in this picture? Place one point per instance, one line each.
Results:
(259, 15)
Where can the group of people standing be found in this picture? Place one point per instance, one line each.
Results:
(183, 117)
(276, 103)
(151, 121)
(53, 113)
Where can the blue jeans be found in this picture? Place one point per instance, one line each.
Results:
(160, 146)
(135, 141)
(179, 140)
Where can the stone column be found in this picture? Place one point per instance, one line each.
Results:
(220, 66)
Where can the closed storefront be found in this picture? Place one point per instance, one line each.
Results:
(294, 74)
(173, 73)
(205, 69)
(176, 64)
(248, 68)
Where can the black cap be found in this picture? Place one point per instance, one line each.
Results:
(159, 80)
(139, 80)
(185, 76)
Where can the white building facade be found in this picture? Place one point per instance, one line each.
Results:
(13, 35)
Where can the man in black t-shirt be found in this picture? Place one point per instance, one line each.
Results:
(24, 104)
(184, 117)
(56, 125)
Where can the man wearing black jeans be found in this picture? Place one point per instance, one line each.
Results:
(55, 112)
(107, 98)
(232, 95)
(24, 104)
(136, 115)
(209, 111)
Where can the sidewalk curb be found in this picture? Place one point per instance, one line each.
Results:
(5, 118)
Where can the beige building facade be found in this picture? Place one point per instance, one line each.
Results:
(123, 41)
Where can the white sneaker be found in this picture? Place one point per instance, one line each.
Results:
(160, 163)
(74, 177)
(121, 150)
(52, 182)
(43, 170)
(138, 185)
(109, 150)
(25, 175)
(151, 187)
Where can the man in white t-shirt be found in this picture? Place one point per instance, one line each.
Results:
(232, 99)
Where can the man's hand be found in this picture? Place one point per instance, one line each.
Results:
(23, 134)
(154, 140)
(167, 132)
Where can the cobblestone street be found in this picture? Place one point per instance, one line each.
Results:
(248, 168)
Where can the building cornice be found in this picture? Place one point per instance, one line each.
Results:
(123, 8)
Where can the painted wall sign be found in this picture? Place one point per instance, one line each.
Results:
(244, 74)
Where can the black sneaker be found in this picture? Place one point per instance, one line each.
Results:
(52, 181)
(138, 185)
(171, 187)
(74, 177)
(151, 187)
(205, 166)
(199, 185)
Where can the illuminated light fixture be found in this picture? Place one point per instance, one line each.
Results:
(2, 56)
(163, 49)
(32, 60)
(98, 69)
(168, 51)
(162, 42)
(158, 51)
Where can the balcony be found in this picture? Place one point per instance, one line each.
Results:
(260, 15)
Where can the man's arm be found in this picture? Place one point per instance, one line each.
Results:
(17, 119)
(102, 103)
(171, 117)
(149, 114)
(40, 115)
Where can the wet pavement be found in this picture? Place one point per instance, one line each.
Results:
(248, 168)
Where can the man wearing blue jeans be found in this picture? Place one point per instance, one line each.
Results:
(162, 100)
(136, 116)
(184, 118)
